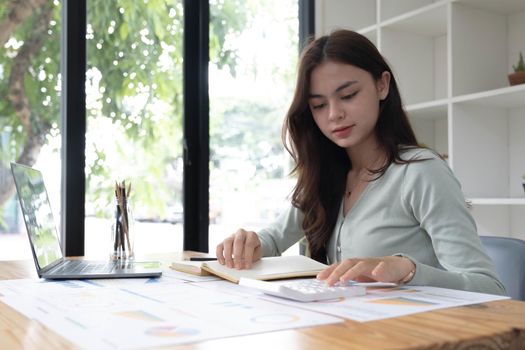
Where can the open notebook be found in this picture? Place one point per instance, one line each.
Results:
(270, 268)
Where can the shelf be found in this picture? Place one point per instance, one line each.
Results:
(370, 33)
(451, 60)
(415, 43)
(507, 97)
(419, 64)
(428, 21)
(370, 30)
(505, 7)
(430, 123)
(497, 201)
(342, 14)
(485, 43)
(428, 110)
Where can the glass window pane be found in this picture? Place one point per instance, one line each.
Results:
(29, 110)
(134, 120)
(252, 75)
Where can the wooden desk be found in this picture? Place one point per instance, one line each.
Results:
(493, 325)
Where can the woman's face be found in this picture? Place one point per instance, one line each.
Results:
(344, 101)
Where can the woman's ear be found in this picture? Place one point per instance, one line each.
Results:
(383, 85)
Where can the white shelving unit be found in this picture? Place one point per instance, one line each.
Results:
(451, 59)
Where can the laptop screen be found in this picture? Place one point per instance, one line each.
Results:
(37, 214)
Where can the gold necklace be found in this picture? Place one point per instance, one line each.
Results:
(348, 192)
(360, 176)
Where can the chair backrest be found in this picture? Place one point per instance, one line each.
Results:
(508, 256)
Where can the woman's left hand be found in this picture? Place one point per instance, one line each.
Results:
(382, 269)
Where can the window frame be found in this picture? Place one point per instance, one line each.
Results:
(195, 120)
(73, 126)
(196, 173)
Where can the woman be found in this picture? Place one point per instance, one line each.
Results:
(368, 199)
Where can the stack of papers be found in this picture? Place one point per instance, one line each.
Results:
(152, 312)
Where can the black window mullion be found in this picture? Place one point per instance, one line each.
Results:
(306, 33)
(196, 125)
(73, 125)
(196, 115)
(306, 22)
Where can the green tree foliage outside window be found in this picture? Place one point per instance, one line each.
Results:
(134, 48)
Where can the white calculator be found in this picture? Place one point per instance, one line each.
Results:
(304, 289)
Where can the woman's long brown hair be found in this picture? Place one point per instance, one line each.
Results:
(320, 165)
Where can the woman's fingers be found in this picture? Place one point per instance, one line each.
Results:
(383, 269)
(326, 272)
(383, 273)
(239, 250)
(333, 273)
(252, 250)
(393, 269)
(228, 250)
(348, 270)
(219, 253)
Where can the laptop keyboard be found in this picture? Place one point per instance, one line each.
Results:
(79, 266)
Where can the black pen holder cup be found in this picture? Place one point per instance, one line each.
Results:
(122, 233)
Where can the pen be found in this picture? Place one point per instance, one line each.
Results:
(195, 258)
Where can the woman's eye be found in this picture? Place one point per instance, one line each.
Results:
(318, 106)
(347, 97)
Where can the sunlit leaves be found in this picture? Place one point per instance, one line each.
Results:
(133, 78)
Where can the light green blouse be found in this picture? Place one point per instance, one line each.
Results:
(417, 210)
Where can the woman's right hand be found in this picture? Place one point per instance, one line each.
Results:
(239, 250)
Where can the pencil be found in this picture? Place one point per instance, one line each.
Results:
(122, 197)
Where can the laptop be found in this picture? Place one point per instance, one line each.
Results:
(45, 245)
